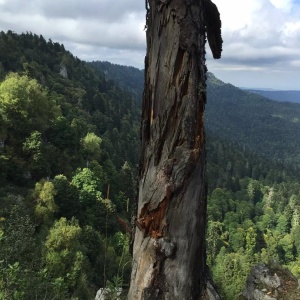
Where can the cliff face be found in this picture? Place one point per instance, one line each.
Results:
(271, 283)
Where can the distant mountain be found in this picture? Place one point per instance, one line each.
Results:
(263, 126)
(259, 125)
(282, 96)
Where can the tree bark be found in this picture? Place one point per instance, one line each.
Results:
(169, 240)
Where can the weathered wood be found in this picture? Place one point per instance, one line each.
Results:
(169, 240)
(213, 25)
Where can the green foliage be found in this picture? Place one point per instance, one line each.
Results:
(91, 145)
(251, 241)
(66, 197)
(252, 221)
(65, 261)
(62, 245)
(45, 207)
(88, 186)
(266, 128)
(10, 283)
(38, 155)
(24, 105)
(230, 272)
(52, 127)
(214, 241)
(127, 77)
(17, 229)
(20, 255)
(26, 114)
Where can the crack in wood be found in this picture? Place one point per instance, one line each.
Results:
(178, 64)
(152, 221)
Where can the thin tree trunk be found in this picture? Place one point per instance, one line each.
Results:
(169, 240)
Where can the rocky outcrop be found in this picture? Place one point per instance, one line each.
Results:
(63, 70)
(107, 294)
(271, 283)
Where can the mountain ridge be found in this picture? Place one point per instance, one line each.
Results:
(278, 95)
(261, 125)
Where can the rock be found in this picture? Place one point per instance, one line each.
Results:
(63, 70)
(271, 283)
(107, 293)
(260, 295)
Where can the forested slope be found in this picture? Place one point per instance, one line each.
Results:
(69, 148)
(69, 145)
(265, 127)
(253, 215)
(129, 78)
(258, 124)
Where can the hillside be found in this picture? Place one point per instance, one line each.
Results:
(253, 215)
(129, 78)
(262, 126)
(69, 146)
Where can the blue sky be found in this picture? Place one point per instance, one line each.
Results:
(261, 37)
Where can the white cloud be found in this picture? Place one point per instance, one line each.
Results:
(295, 63)
(77, 23)
(258, 34)
(237, 14)
(284, 5)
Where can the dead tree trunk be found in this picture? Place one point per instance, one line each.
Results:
(169, 239)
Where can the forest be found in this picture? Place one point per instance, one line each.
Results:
(69, 149)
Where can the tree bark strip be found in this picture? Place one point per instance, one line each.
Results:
(169, 239)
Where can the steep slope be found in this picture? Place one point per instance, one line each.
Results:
(83, 95)
(69, 144)
(129, 78)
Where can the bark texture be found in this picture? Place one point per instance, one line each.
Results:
(213, 28)
(169, 238)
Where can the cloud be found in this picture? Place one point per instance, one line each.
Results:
(117, 56)
(80, 25)
(259, 35)
(260, 24)
(284, 5)
(104, 10)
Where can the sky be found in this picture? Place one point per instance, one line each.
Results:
(261, 46)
